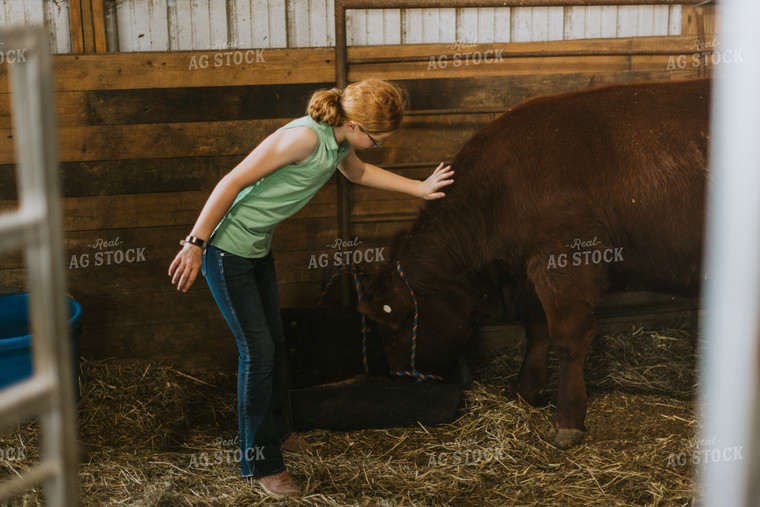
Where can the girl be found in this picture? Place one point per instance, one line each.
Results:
(230, 243)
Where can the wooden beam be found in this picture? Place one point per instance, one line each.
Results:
(88, 34)
(99, 26)
(75, 20)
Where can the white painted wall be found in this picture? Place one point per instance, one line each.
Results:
(51, 13)
(169, 25)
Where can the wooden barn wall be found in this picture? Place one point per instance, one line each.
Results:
(143, 138)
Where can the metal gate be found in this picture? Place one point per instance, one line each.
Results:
(35, 227)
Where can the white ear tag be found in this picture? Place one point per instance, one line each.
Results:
(387, 309)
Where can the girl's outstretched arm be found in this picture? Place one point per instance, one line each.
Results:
(372, 176)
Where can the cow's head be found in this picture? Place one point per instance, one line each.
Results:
(444, 319)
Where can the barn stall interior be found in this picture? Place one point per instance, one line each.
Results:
(156, 100)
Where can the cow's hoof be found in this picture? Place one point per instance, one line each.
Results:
(565, 439)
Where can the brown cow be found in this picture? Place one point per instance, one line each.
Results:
(563, 197)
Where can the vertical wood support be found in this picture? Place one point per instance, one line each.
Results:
(88, 29)
(344, 186)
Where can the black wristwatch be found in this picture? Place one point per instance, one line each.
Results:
(194, 241)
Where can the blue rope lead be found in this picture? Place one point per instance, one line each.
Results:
(412, 372)
(358, 275)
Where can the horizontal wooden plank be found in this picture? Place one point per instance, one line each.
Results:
(71, 109)
(218, 103)
(113, 177)
(115, 212)
(119, 212)
(124, 309)
(511, 59)
(125, 71)
(509, 66)
(516, 49)
(83, 144)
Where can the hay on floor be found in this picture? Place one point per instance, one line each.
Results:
(156, 436)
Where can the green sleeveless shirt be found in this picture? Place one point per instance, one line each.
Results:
(247, 228)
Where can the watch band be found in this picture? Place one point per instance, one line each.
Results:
(194, 241)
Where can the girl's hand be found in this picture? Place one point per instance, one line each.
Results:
(441, 177)
(185, 266)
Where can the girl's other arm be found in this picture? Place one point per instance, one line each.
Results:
(279, 149)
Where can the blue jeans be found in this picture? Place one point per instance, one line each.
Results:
(246, 292)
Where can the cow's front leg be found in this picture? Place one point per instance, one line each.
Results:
(532, 377)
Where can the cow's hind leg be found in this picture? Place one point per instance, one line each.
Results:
(569, 302)
(572, 329)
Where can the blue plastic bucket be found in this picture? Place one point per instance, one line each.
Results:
(15, 340)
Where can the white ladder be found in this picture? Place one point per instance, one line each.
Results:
(35, 227)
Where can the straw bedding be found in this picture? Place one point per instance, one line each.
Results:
(152, 435)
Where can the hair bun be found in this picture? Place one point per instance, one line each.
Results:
(324, 106)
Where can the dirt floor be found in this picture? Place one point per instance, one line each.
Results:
(155, 436)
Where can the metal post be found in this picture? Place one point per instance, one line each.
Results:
(730, 356)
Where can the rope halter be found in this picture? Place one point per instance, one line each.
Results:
(358, 274)
(359, 277)
(412, 372)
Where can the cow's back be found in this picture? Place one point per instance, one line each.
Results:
(623, 163)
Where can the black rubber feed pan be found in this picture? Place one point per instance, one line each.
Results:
(324, 350)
